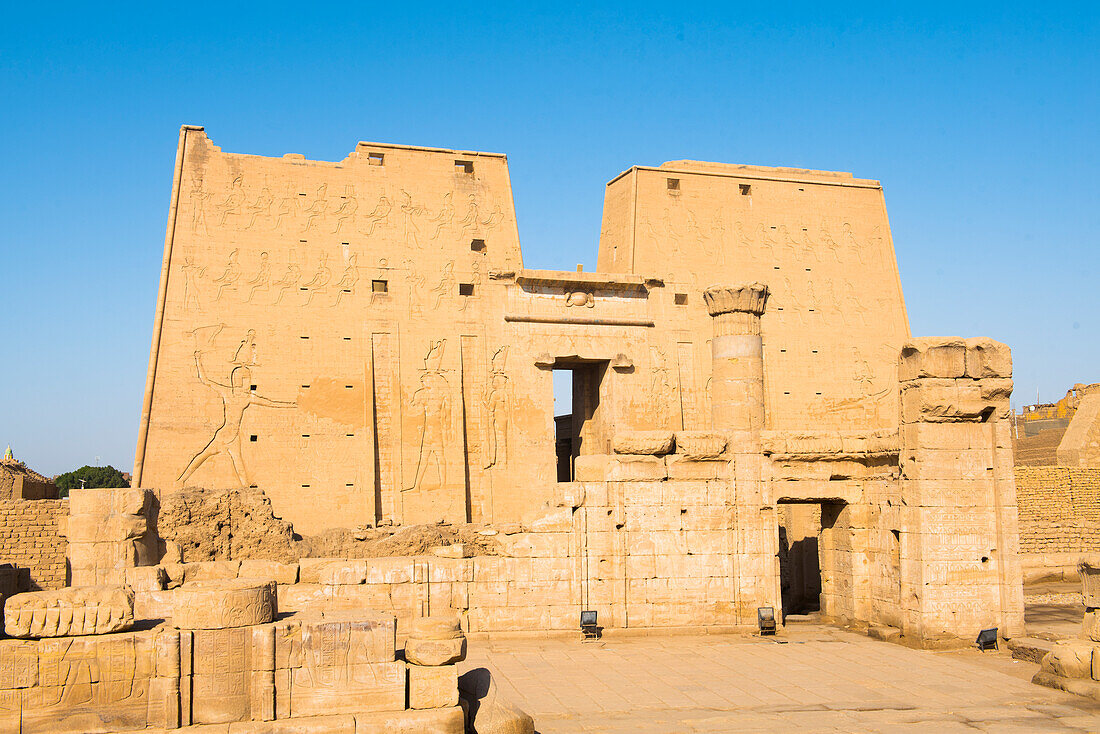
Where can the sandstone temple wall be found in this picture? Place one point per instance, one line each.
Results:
(359, 342)
(30, 539)
(1059, 517)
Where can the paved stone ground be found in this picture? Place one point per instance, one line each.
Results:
(813, 679)
(1053, 610)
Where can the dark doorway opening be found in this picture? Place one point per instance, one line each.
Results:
(579, 428)
(801, 526)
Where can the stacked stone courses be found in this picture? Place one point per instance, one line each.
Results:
(29, 538)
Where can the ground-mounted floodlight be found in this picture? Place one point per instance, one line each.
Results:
(588, 625)
(987, 639)
(765, 619)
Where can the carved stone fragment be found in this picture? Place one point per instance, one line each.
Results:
(229, 603)
(81, 610)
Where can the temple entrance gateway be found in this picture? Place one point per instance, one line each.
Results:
(809, 543)
(580, 426)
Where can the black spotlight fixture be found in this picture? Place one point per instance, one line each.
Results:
(765, 619)
(588, 625)
(987, 639)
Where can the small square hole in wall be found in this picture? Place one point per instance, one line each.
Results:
(379, 286)
(464, 166)
(673, 184)
(375, 159)
(253, 438)
(477, 245)
(745, 189)
(252, 388)
(681, 299)
(465, 289)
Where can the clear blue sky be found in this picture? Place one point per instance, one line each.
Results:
(981, 122)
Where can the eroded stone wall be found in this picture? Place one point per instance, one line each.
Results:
(29, 539)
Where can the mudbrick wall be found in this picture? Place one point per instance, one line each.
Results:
(1059, 509)
(29, 539)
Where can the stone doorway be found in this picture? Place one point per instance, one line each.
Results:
(580, 424)
(805, 530)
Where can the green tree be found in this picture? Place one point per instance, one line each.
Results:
(95, 477)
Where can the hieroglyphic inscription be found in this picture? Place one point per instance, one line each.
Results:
(386, 419)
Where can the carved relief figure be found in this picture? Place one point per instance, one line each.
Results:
(497, 411)
(198, 199)
(262, 280)
(767, 241)
(444, 217)
(379, 214)
(431, 404)
(261, 207)
(320, 281)
(236, 397)
(416, 282)
(289, 281)
(229, 278)
(409, 212)
(470, 222)
(245, 354)
(346, 286)
(191, 275)
(446, 284)
(234, 203)
(662, 394)
(348, 206)
(827, 240)
(288, 207)
(317, 208)
(495, 218)
(850, 244)
(475, 281)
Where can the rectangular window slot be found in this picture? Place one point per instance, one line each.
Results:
(817, 393)
(477, 245)
(303, 337)
(253, 438)
(465, 289)
(349, 387)
(303, 289)
(305, 387)
(375, 159)
(813, 351)
(810, 310)
(379, 286)
(801, 189)
(464, 166)
(347, 338)
(349, 484)
(783, 351)
(305, 435)
(673, 184)
(305, 486)
(347, 290)
(681, 299)
(345, 244)
(807, 270)
(779, 308)
(774, 227)
(302, 195)
(746, 190)
(349, 435)
(776, 267)
(786, 392)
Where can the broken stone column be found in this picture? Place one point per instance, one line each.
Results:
(737, 411)
(434, 647)
(960, 569)
(737, 369)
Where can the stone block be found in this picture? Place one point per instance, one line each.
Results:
(340, 573)
(1070, 659)
(432, 687)
(652, 443)
(325, 684)
(227, 603)
(435, 652)
(700, 444)
(146, 578)
(438, 721)
(987, 358)
(280, 573)
(334, 724)
(592, 468)
(436, 627)
(154, 604)
(80, 610)
(1088, 568)
(358, 636)
(932, 356)
(394, 570)
(685, 468)
(211, 571)
(630, 468)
